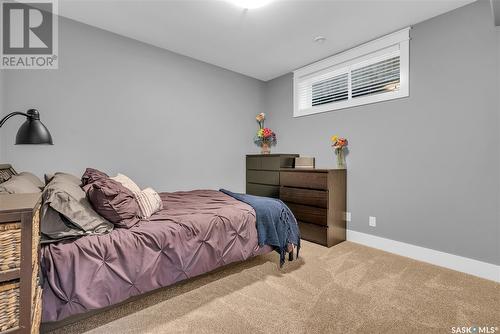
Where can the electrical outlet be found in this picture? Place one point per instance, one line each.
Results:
(372, 221)
(347, 216)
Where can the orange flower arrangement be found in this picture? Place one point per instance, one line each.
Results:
(338, 142)
(339, 145)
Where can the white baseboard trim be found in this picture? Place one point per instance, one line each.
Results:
(469, 266)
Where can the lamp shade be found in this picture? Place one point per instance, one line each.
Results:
(32, 131)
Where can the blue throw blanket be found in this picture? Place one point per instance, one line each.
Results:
(276, 224)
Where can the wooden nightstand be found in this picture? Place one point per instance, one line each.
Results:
(317, 198)
(20, 291)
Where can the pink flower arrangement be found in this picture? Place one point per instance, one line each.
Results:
(264, 135)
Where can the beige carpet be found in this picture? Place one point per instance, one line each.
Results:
(348, 288)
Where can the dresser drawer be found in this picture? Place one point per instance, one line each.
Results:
(263, 177)
(254, 163)
(318, 198)
(263, 190)
(310, 180)
(309, 214)
(264, 163)
(270, 162)
(314, 233)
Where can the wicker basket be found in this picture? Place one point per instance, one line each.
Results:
(35, 268)
(6, 172)
(35, 241)
(9, 304)
(37, 312)
(10, 246)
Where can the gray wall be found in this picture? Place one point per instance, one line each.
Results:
(2, 98)
(495, 7)
(2, 102)
(119, 105)
(498, 110)
(426, 166)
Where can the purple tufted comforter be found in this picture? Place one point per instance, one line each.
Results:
(196, 232)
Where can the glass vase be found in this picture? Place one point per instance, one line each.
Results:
(265, 148)
(341, 164)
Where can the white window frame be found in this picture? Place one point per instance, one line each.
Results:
(365, 54)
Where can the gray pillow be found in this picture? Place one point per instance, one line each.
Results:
(56, 227)
(32, 178)
(19, 184)
(75, 214)
(67, 176)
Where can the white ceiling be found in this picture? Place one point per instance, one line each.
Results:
(263, 43)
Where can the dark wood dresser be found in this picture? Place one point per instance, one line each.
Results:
(317, 198)
(263, 173)
(20, 292)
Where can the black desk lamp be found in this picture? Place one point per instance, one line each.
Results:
(32, 131)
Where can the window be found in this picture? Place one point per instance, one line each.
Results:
(373, 72)
(330, 90)
(377, 78)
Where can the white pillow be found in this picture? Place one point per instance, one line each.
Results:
(149, 202)
(127, 183)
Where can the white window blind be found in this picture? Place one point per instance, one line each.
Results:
(373, 72)
(326, 88)
(377, 78)
(329, 90)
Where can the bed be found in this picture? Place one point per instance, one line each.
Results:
(195, 232)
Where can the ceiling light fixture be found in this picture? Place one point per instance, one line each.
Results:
(250, 4)
(319, 39)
